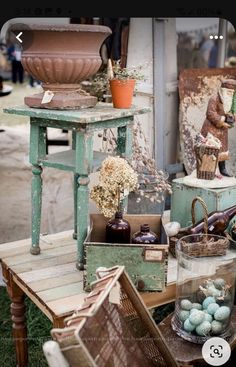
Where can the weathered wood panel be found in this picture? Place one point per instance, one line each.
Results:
(68, 304)
(45, 273)
(51, 261)
(48, 254)
(101, 112)
(61, 292)
(70, 278)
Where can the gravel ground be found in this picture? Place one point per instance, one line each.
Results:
(15, 182)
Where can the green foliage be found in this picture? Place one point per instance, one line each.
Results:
(99, 83)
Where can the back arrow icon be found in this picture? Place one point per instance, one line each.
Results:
(18, 37)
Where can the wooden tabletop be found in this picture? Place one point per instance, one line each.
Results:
(51, 279)
(185, 352)
(101, 112)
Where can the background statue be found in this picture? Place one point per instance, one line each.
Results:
(220, 116)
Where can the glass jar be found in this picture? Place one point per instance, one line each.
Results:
(145, 235)
(118, 229)
(205, 288)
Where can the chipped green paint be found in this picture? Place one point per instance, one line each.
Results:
(101, 112)
(84, 153)
(82, 216)
(124, 149)
(183, 195)
(153, 274)
(37, 143)
(124, 141)
(76, 176)
(36, 200)
(78, 160)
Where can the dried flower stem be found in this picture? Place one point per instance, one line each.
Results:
(153, 184)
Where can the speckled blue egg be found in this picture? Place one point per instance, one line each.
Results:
(204, 328)
(222, 313)
(208, 317)
(188, 326)
(216, 327)
(197, 317)
(183, 315)
(197, 306)
(185, 304)
(207, 301)
(193, 310)
(212, 308)
(219, 283)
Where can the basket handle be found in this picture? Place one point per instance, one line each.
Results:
(204, 206)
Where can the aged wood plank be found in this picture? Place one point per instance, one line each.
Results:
(101, 112)
(61, 292)
(68, 304)
(50, 253)
(34, 299)
(14, 245)
(24, 248)
(50, 239)
(52, 282)
(45, 273)
(45, 263)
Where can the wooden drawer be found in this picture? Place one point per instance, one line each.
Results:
(146, 264)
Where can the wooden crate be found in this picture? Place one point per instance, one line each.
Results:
(146, 264)
(183, 195)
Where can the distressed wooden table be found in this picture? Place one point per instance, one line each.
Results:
(52, 281)
(83, 123)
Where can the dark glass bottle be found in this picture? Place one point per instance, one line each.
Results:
(145, 235)
(233, 232)
(118, 229)
(218, 221)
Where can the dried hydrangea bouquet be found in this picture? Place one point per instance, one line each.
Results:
(118, 177)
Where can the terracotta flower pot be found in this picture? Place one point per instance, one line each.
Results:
(61, 56)
(122, 92)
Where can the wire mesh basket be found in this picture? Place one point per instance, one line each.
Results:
(113, 328)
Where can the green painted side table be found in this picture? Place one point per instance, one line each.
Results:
(79, 159)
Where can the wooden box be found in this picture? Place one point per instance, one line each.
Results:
(146, 264)
(183, 195)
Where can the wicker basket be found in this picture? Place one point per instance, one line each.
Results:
(211, 247)
(206, 159)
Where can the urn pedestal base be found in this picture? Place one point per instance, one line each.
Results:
(62, 101)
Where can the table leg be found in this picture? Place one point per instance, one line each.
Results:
(58, 322)
(37, 152)
(124, 141)
(18, 320)
(36, 200)
(76, 176)
(83, 163)
(124, 148)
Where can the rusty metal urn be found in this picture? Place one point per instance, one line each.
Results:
(61, 56)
